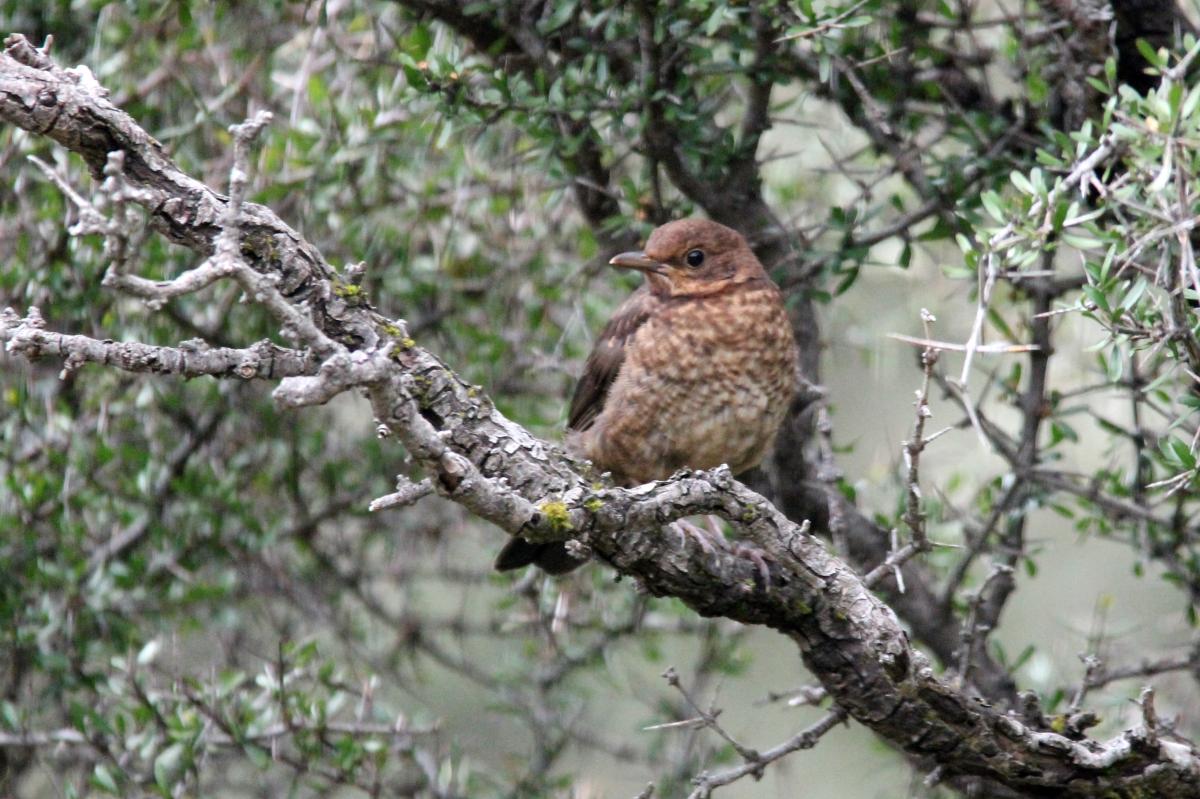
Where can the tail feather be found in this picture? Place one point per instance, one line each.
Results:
(551, 558)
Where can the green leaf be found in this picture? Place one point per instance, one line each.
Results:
(149, 652)
(1061, 212)
(1134, 294)
(1155, 58)
(563, 12)
(1175, 97)
(1183, 453)
(1022, 183)
(259, 756)
(847, 280)
(1164, 173)
(1038, 179)
(1062, 510)
(1109, 257)
(169, 765)
(8, 714)
(1080, 241)
(1189, 106)
(1022, 658)
(993, 205)
(998, 322)
(1116, 366)
(104, 780)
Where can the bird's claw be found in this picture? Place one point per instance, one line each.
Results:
(687, 530)
(710, 538)
(744, 550)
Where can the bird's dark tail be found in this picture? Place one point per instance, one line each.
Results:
(551, 558)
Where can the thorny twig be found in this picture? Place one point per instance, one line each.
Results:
(709, 718)
(973, 632)
(913, 517)
(805, 739)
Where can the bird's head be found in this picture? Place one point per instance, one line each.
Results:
(693, 257)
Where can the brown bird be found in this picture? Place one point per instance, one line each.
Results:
(696, 369)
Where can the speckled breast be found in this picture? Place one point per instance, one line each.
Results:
(705, 382)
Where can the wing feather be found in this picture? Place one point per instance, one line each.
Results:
(606, 358)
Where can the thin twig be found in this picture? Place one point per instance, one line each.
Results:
(805, 739)
(708, 718)
(973, 630)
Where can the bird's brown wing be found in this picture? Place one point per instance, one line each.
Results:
(590, 393)
(607, 356)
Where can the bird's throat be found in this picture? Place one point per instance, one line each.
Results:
(664, 287)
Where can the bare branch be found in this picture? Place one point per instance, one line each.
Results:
(265, 361)
(709, 719)
(805, 739)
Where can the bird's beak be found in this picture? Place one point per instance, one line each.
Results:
(638, 260)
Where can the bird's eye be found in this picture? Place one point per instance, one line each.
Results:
(695, 257)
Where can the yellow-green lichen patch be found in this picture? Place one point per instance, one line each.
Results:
(348, 291)
(557, 514)
(402, 343)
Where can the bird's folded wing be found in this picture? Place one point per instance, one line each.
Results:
(607, 356)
